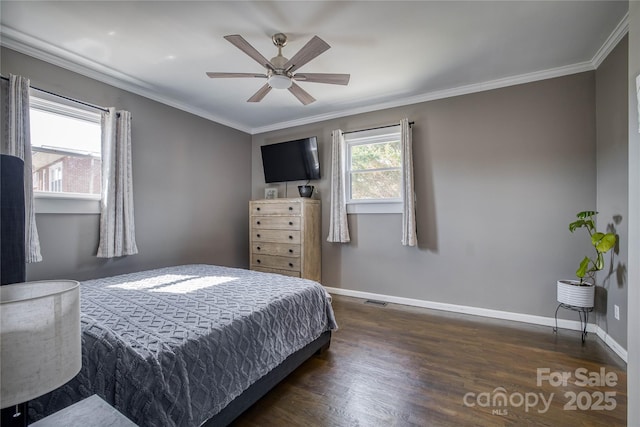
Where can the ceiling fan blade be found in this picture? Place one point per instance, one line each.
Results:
(226, 75)
(239, 42)
(302, 95)
(333, 79)
(261, 93)
(313, 48)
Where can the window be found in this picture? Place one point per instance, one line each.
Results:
(55, 178)
(66, 156)
(374, 171)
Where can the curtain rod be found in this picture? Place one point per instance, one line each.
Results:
(379, 127)
(97, 107)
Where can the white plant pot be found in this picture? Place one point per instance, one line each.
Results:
(571, 293)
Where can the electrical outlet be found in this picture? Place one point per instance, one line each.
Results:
(616, 312)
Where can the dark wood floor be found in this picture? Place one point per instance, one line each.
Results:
(402, 366)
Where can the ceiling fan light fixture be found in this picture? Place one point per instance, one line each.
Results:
(279, 82)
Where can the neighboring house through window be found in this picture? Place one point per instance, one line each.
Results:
(374, 171)
(66, 156)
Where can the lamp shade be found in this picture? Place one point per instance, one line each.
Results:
(40, 345)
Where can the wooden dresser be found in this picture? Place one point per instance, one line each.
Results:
(285, 237)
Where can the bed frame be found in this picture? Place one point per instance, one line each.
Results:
(144, 402)
(261, 387)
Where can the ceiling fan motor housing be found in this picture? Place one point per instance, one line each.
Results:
(278, 77)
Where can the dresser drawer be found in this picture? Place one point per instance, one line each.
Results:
(263, 208)
(276, 222)
(279, 262)
(275, 236)
(281, 249)
(273, 270)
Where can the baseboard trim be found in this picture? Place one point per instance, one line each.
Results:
(486, 312)
(612, 344)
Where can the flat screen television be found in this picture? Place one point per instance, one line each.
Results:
(291, 161)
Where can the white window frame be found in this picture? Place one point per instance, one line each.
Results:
(55, 177)
(64, 203)
(370, 206)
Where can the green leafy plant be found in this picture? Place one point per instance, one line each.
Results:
(602, 242)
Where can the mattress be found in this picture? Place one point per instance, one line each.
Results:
(173, 346)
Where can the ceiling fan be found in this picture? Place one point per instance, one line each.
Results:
(281, 72)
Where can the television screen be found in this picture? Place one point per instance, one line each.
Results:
(291, 161)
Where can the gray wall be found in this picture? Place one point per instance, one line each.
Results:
(191, 186)
(633, 302)
(499, 176)
(612, 187)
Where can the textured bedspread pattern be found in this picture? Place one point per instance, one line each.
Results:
(173, 346)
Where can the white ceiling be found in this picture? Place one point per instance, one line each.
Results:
(396, 52)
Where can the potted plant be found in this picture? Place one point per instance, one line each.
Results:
(580, 293)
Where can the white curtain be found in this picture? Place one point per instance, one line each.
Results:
(18, 143)
(117, 229)
(338, 227)
(409, 236)
(638, 90)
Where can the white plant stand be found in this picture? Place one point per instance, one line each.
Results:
(572, 296)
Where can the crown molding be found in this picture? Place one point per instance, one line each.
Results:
(54, 55)
(46, 52)
(432, 96)
(612, 41)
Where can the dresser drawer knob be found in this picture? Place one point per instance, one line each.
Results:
(258, 222)
(257, 209)
(291, 237)
(257, 235)
(258, 248)
(290, 222)
(258, 261)
(290, 265)
(290, 250)
(290, 208)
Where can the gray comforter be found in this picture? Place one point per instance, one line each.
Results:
(173, 346)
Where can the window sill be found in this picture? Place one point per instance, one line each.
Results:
(47, 203)
(374, 208)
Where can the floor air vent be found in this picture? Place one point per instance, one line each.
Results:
(374, 302)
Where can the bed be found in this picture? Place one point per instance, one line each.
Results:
(192, 345)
